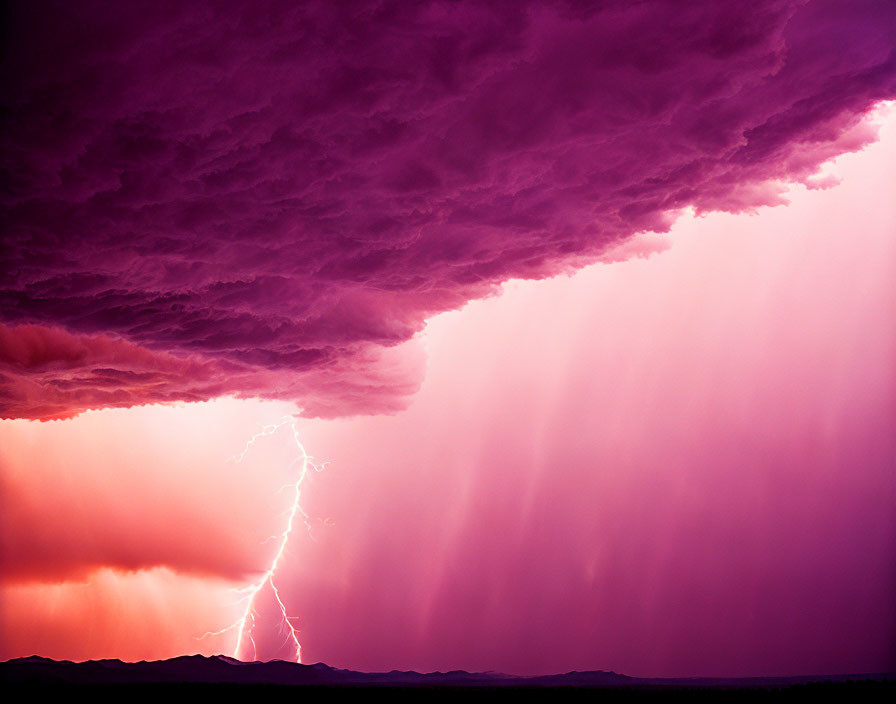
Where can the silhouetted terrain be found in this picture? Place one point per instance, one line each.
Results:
(221, 670)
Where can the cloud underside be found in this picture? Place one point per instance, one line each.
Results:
(269, 199)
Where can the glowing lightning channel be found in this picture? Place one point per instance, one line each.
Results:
(245, 625)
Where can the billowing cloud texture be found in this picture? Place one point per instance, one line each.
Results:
(267, 198)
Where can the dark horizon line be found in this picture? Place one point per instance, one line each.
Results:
(224, 669)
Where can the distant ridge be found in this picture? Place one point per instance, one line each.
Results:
(198, 669)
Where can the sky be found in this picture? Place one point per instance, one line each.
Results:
(590, 317)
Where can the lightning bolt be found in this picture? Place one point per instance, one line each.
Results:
(245, 625)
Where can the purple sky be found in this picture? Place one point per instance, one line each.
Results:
(678, 461)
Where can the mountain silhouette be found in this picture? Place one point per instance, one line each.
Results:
(220, 669)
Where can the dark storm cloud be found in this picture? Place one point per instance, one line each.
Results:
(267, 198)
